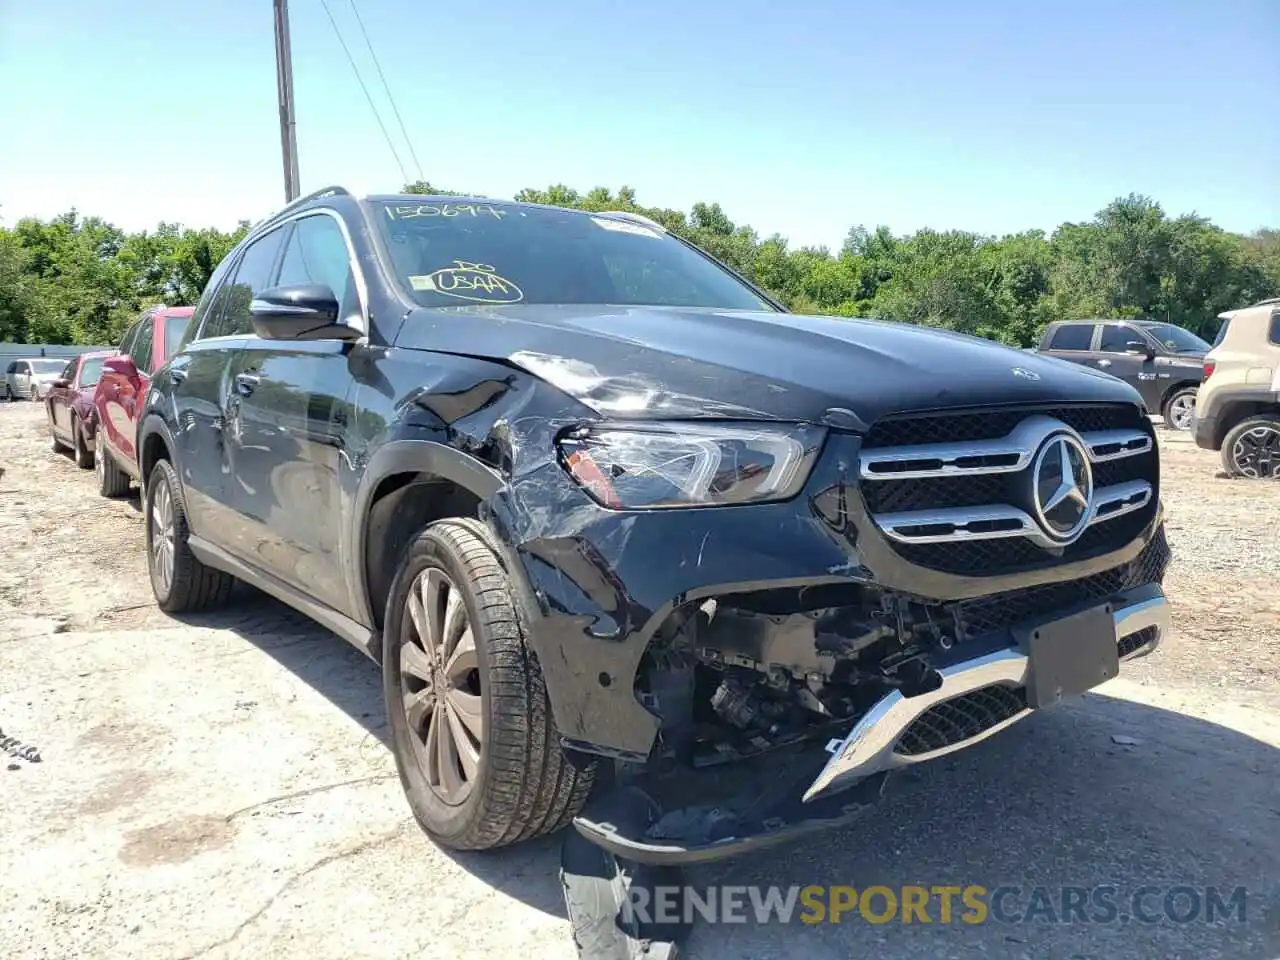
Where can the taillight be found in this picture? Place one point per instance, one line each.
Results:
(1209, 367)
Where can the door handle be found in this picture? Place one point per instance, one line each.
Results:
(177, 374)
(245, 383)
(1104, 363)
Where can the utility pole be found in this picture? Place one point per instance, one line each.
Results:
(284, 85)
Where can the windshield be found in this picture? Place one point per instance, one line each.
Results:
(47, 367)
(448, 253)
(1176, 339)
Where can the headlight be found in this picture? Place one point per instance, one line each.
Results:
(691, 465)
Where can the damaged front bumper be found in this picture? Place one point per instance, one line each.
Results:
(715, 817)
(976, 698)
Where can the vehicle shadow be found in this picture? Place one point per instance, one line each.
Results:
(1052, 802)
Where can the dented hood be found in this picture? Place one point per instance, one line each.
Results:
(654, 362)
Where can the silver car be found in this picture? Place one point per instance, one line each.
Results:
(30, 378)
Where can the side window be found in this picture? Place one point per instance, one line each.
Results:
(317, 253)
(91, 372)
(1072, 336)
(1115, 336)
(1222, 331)
(142, 345)
(174, 329)
(128, 340)
(24, 367)
(229, 313)
(69, 371)
(1274, 335)
(12, 368)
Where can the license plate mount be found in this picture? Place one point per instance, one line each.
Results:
(1069, 655)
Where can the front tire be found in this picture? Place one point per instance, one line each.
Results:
(1252, 448)
(84, 456)
(180, 582)
(471, 728)
(1179, 410)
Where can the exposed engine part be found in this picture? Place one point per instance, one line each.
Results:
(738, 703)
(668, 691)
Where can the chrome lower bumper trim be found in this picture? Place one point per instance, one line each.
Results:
(871, 745)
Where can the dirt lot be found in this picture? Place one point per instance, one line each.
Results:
(220, 786)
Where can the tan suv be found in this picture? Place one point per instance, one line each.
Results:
(1238, 406)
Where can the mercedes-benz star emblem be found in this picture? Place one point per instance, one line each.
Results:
(1062, 488)
(1025, 373)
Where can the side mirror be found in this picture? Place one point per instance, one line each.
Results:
(1140, 348)
(61, 383)
(122, 365)
(303, 311)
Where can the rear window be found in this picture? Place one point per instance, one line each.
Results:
(1222, 331)
(175, 329)
(1072, 336)
(447, 254)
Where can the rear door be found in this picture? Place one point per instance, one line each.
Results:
(207, 397)
(290, 428)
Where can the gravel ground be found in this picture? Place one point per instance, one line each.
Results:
(220, 786)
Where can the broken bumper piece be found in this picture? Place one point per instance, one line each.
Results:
(707, 817)
(976, 698)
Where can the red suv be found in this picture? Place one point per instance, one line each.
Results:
(152, 340)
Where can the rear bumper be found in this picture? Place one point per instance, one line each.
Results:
(874, 744)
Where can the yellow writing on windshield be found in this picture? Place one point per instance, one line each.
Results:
(411, 211)
(469, 281)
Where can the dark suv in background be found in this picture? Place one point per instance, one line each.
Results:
(1163, 362)
(606, 513)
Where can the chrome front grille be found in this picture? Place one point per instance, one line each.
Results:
(969, 504)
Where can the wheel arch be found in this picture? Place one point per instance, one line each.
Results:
(1236, 410)
(154, 443)
(1174, 388)
(406, 485)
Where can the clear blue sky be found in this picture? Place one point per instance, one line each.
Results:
(801, 117)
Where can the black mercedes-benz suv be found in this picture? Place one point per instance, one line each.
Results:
(606, 513)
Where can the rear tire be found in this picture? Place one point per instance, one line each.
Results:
(1252, 448)
(458, 663)
(180, 582)
(84, 456)
(1179, 409)
(112, 481)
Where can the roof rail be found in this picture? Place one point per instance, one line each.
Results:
(634, 218)
(331, 191)
(1268, 302)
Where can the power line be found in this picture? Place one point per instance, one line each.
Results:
(394, 109)
(360, 80)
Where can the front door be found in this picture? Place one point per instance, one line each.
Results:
(288, 437)
(1113, 355)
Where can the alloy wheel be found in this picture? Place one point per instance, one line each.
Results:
(162, 532)
(440, 686)
(1256, 452)
(1181, 411)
